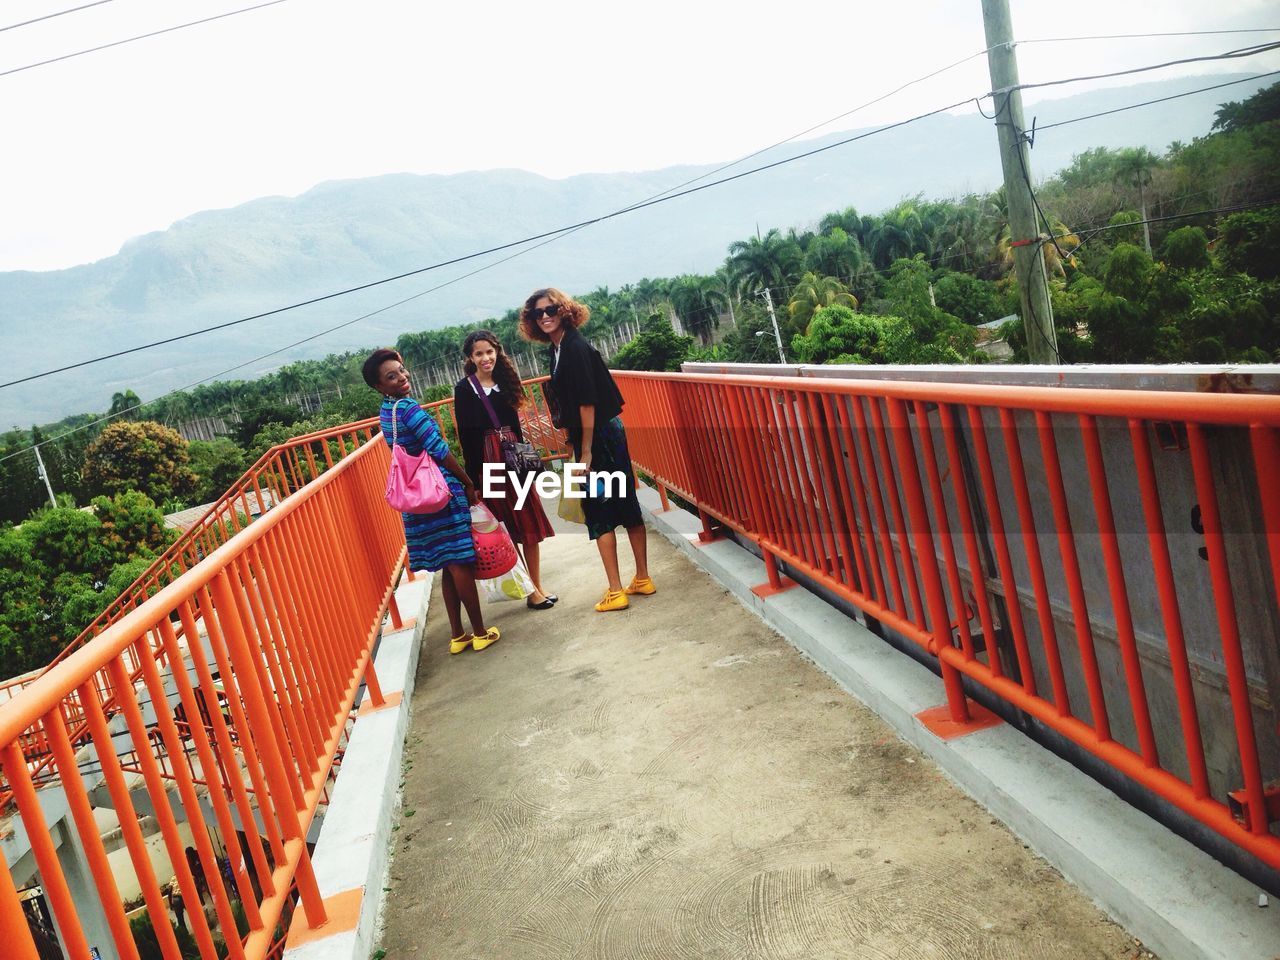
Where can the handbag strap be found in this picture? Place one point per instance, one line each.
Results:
(395, 422)
(484, 398)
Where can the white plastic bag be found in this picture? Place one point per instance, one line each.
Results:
(515, 584)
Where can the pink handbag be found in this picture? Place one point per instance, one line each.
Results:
(495, 552)
(414, 484)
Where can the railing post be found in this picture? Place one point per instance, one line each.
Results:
(926, 558)
(15, 932)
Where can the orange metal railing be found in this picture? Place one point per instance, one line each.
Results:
(285, 614)
(281, 471)
(941, 511)
(271, 604)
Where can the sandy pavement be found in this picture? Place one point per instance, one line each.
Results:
(676, 781)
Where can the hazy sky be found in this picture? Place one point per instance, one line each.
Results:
(120, 142)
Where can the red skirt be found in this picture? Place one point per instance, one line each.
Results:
(529, 524)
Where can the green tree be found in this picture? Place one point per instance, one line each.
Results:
(125, 406)
(656, 347)
(1249, 242)
(1121, 328)
(899, 233)
(698, 301)
(768, 261)
(1186, 248)
(1262, 107)
(218, 463)
(838, 335)
(144, 456)
(835, 254)
(812, 293)
(59, 569)
(972, 300)
(1134, 166)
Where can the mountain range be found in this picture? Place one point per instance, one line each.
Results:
(221, 265)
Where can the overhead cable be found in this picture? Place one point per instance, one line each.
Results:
(1147, 36)
(143, 36)
(495, 249)
(1229, 55)
(50, 16)
(1147, 103)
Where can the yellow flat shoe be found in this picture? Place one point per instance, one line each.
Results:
(458, 644)
(613, 600)
(641, 585)
(492, 636)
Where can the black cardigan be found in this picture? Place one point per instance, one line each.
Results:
(581, 379)
(474, 422)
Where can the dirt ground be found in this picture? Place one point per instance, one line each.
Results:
(676, 781)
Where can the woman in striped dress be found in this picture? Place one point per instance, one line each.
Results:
(439, 541)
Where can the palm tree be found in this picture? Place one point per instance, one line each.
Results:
(900, 233)
(725, 284)
(698, 300)
(848, 220)
(1134, 166)
(834, 254)
(959, 238)
(125, 405)
(814, 292)
(1055, 245)
(759, 262)
(649, 295)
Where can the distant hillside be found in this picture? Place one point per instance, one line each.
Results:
(223, 264)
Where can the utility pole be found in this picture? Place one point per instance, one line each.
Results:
(1024, 232)
(768, 299)
(44, 475)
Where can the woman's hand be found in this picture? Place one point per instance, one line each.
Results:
(586, 462)
(473, 496)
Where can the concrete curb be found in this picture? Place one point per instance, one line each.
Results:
(353, 850)
(1174, 897)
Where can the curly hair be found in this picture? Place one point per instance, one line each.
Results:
(575, 314)
(505, 374)
(373, 363)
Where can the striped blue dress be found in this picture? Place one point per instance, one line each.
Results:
(438, 539)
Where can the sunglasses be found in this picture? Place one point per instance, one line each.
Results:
(537, 312)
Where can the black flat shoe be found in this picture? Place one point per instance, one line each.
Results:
(553, 598)
(546, 604)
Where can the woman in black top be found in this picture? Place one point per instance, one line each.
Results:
(590, 408)
(498, 378)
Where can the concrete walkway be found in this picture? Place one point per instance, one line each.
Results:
(677, 781)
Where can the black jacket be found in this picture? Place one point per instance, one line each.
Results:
(474, 422)
(580, 379)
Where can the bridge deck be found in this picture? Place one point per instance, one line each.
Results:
(677, 781)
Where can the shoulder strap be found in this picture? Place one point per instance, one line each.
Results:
(395, 420)
(484, 398)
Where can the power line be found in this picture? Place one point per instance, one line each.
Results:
(50, 16)
(1147, 103)
(652, 201)
(1090, 232)
(828, 122)
(143, 36)
(549, 234)
(1229, 55)
(1087, 234)
(547, 237)
(1147, 36)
